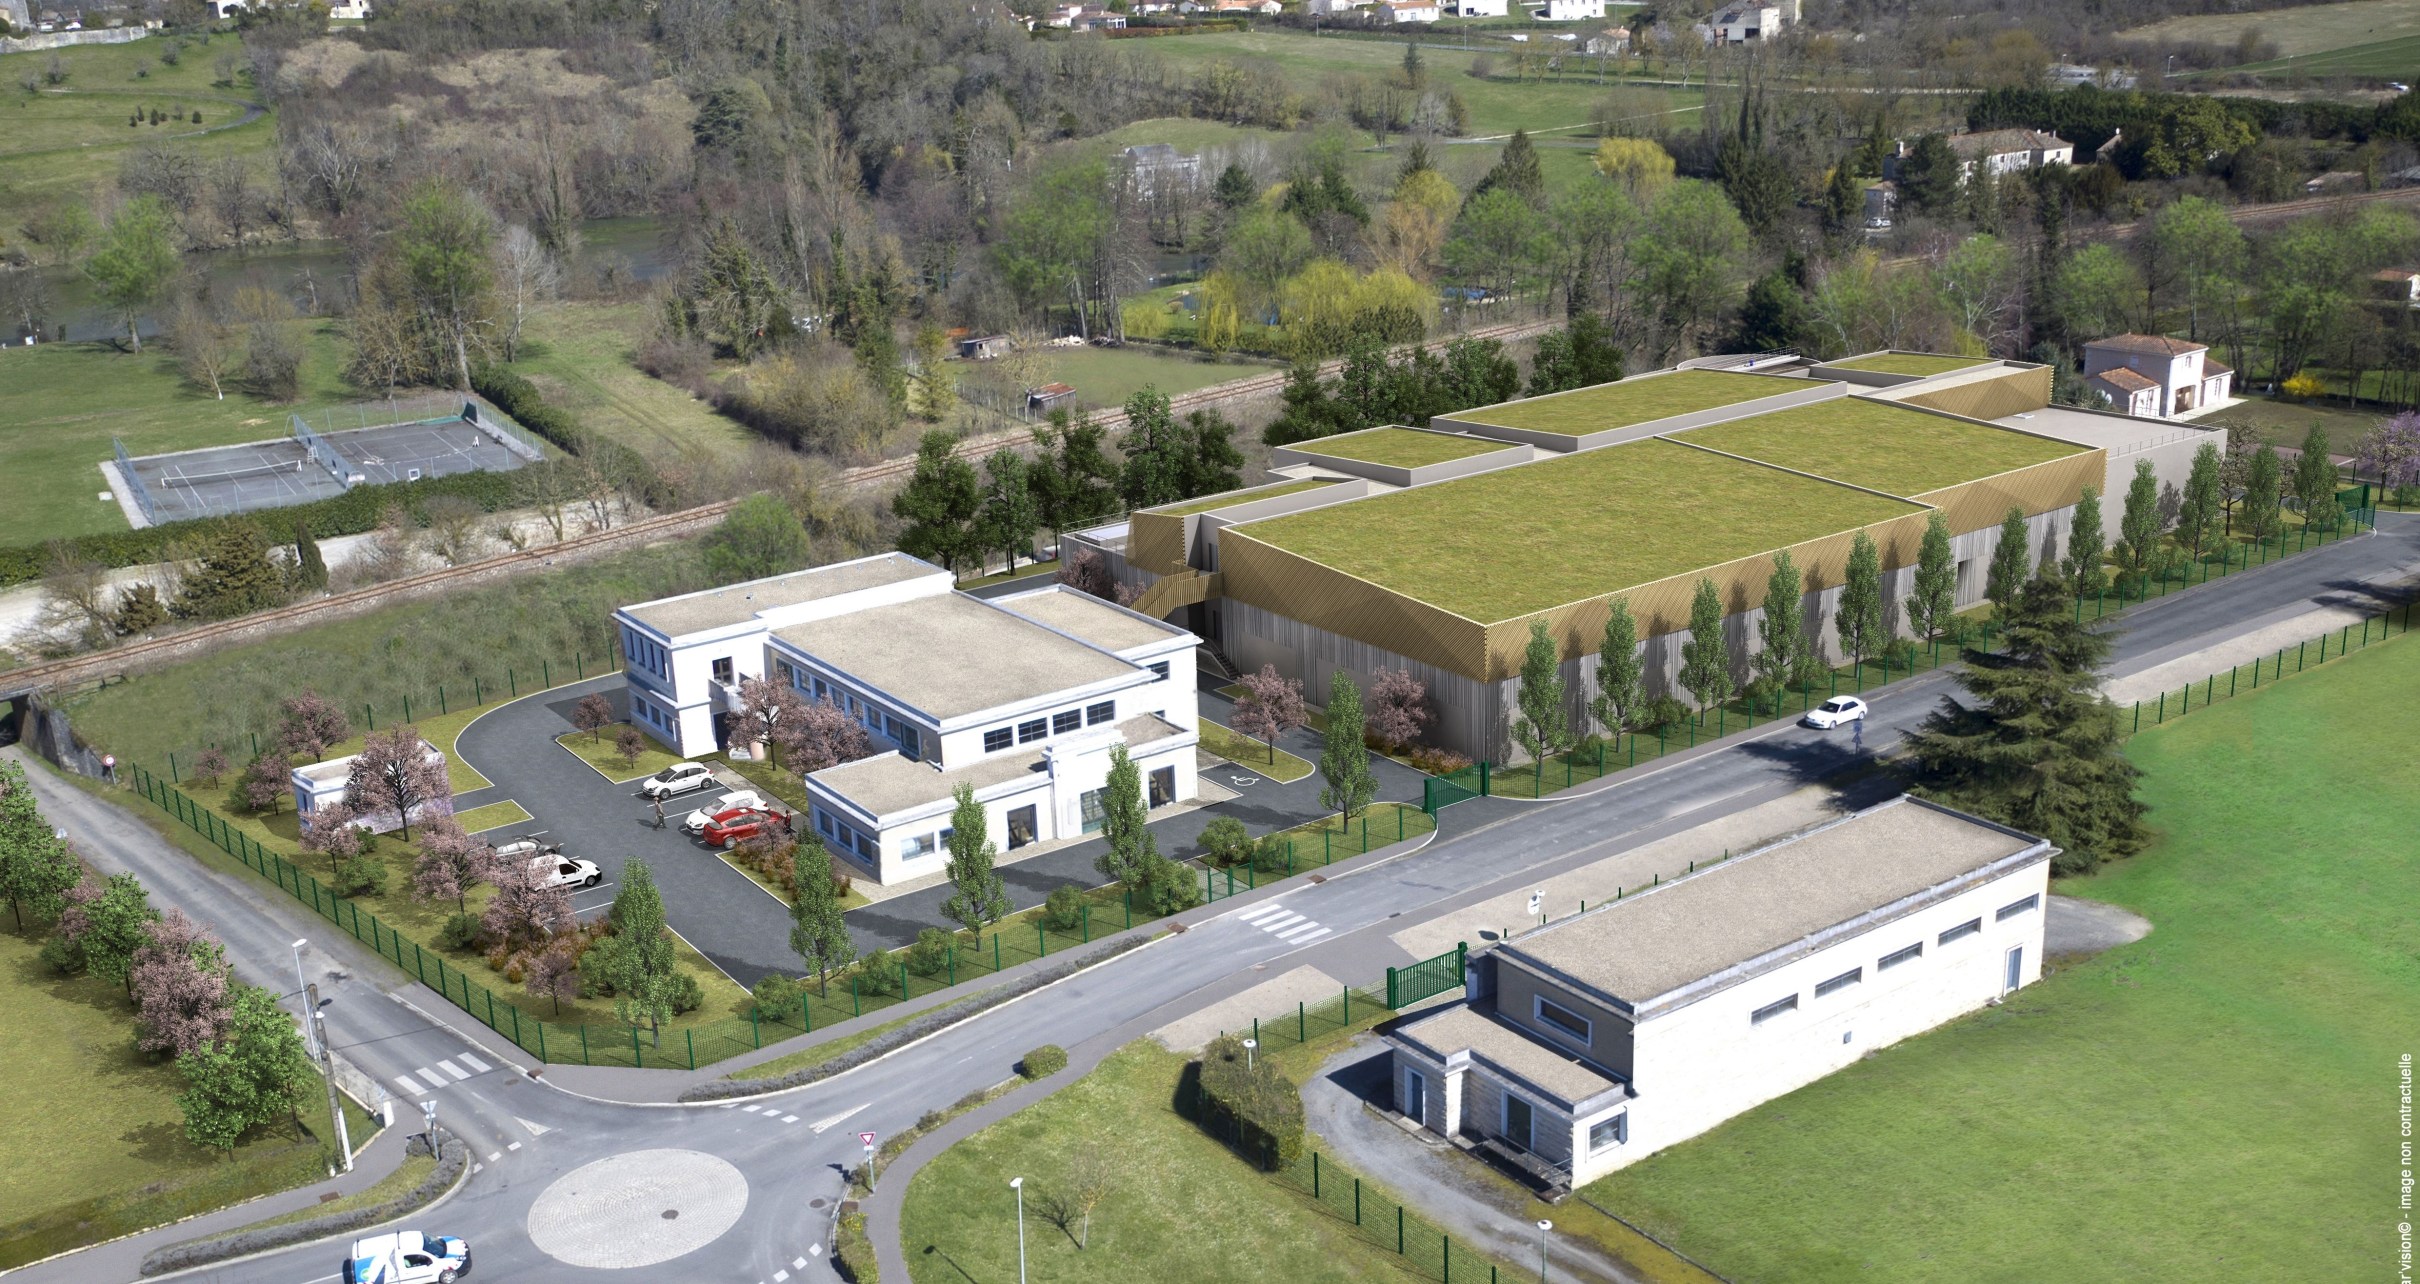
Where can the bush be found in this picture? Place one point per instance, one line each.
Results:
(1435, 761)
(1662, 714)
(1063, 909)
(687, 994)
(776, 997)
(518, 398)
(458, 932)
(61, 955)
(1272, 855)
(930, 953)
(1167, 888)
(361, 876)
(878, 972)
(1043, 1062)
(1256, 1109)
(853, 1253)
(1226, 842)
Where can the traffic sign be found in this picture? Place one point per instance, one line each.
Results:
(867, 1138)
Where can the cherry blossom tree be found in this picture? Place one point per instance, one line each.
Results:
(592, 714)
(1271, 707)
(180, 979)
(555, 975)
(528, 906)
(1398, 708)
(267, 780)
(451, 863)
(764, 706)
(628, 743)
(308, 725)
(2391, 452)
(1089, 572)
(210, 765)
(332, 833)
(396, 773)
(822, 735)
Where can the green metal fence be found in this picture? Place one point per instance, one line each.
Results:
(1386, 1224)
(1320, 844)
(1406, 986)
(2246, 678)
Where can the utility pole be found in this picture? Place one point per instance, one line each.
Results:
(318, 1024)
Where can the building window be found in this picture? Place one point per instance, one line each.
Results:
(1028, 732)
(1090, 808)
(1163, 786)
(722, 670)
(2008, 912)
(1563, 1019)
(1062, 723)
(1897, 957)
(1840, 982)
(1772, 1010)
(921, 846)
(1608, 1133)
(997, 739)
(1962, 931)
(1160, 668)
(1105, 711)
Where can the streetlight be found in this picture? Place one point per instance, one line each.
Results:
(302, 995)
(1017, 1184)
(1249, 1044)
(1543, 1227)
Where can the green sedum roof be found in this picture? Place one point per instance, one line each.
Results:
(1230, 499)
(1630, 401)
(1896, 449)
(1909, 363)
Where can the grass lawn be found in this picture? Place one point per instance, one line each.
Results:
(60, 404)
(1182, 1206)
(825, 1051)
(1629, 401)
(2087, 1103)
(1878, 445)
(1676, 510)
(495, 815)
(598, 752)
(1039, 572)
(578, 354)
(1231, 498)
(1108, 376)
(2285, 423)
(95, 1145)
(2302, 30)
(1244, 751)
(395, 1185)
(1401, 447)
(1909, 363)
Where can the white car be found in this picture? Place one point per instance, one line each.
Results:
(1836, 711)
(530, 846)
(745, 798)
(407, 1257)
(679, 778)
(564, 871)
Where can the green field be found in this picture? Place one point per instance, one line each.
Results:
(2385, 59)
(1401, 447)
(1229, 499)
(1885, 447)
(95, 1147)
(59, 144)
(2285, 423)
(579, 356)
(2215, 1101)
(598, 752)
(1108, 376)
(2299, 31)
(60, 404)
(1242, 750)
(1570, 528)
(1908, 363)
(1630, 401)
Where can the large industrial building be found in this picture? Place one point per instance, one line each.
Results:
(1434, 549)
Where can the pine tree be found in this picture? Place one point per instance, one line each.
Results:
(1307, 408)
(940, 503)
(1212, 463)
(640, 959)
(979, 900)
(1706, 656)
(1516, 171)
(1344, 760)
(1123, 823)
(1234, 188)
(2198, 518)
(234, 577)
(1011, 515)
(1858, 616)
(1782, 632)
(819, 932)
(1414, 74)
(1621, 691)
(310, 569)
(1843, 202)
(2139, 525)
(2087, 545)
(1936, 586)
(1540, 725)
(2011, 563)
(1156, 451)
(2034, 744)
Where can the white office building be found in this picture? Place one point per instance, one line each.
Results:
(1022, 698)
(1585, 1046)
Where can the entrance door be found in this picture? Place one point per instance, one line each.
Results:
(1415, 1096)
(1163, 786)
(1093, 812)
(2016, 969)
(1517, 1121)
(1021, 827)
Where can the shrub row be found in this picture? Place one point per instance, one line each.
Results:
(451, 1160)
(1249, 1102)
(518, 398)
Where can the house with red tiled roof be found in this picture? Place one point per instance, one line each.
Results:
(2155, 376)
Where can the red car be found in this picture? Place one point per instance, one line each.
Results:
(731, 828)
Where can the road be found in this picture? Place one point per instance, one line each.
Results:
(786, 1155)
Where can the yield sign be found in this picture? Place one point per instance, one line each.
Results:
(867, 1138)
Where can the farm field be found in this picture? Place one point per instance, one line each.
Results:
(2273, 894)
(2299, 31)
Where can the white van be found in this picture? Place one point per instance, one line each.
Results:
(407, 1257)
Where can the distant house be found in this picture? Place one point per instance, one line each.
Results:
(2155, 376)
(1881, 201)
(318, 785)
(2399, 285)
(1569, 10)
(1334, 8)
(1608, 43)
(1092, 19)
(1153, 167)
(1477, 9)
(2335, 180)
(1995, 152)
(1409, 11)
(985, 348)
(1047, 397)
(2071, 74)
(1750, 21)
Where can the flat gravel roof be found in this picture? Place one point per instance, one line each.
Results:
(1644, 946)
(1883, 446)
(890, 784)
(1074, 611)
(1908, 363)
(1515, 1051)
(951, 655)
(738, 603)
(1400, 447)
(1630, 401)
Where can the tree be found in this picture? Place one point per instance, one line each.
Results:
(764, 705)
(2315, 480)
(1155, 452)
(180, 980)
(1011, 513)
(1693, 257)
(2197, 519)
(1212, 463)
(527, 276)
(936, 387)
(1500, 241)
(940, 503)
(2087, 545)
(204, 348)
(1541, 724)
(268, 778)
(978, 899)
(1344, 761)
(255, 1074)
(310, 724)
(1517, 171)
(2095, 292)
(1781, 658)
(2390, 452)
(1271, 707)
(819, 931)
(107, 923)
(1936, 587)
(1398, 709)
(529, 906)
(1843, 203)
(233, 577)
(2139, 527)
(2034, 744)
(2262, 487)
(2011, 562)
(209, 766)
(760, 536)
(1091, 1175)
(310, 569)
(37, 869)
(135, 260)
(1234, 188)
(640, 960)
(554, 974)
(1640, 166)
(1930, 175)
(2202, 250)
(396, 774)
(1072, 476)
(450, 863)
(445, 251)
(1579, 355)
(330, 832)
(1857, 617)
(1131, 847)
(1706, 656)
(592, 714)
(1621, 691)
(628, 743)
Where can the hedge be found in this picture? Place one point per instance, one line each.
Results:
(1043, 1062)
(519, 398)
(1248, 1101)
(452, 1158)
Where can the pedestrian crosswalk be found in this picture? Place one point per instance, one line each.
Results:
(1284, 924)
(425, 1079)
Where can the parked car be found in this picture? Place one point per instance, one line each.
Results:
(741, 800)
(1837, 711)
(563, 871)
(407, 1257)
(528, 846)
(679, 778)
(738, 825)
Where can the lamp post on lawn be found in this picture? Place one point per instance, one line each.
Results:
(1017, 1184)
(1249, 1044)
(302, 995)
(1543, 1227)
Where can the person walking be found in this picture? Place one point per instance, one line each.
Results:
(659, 813)
(1858, 735)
